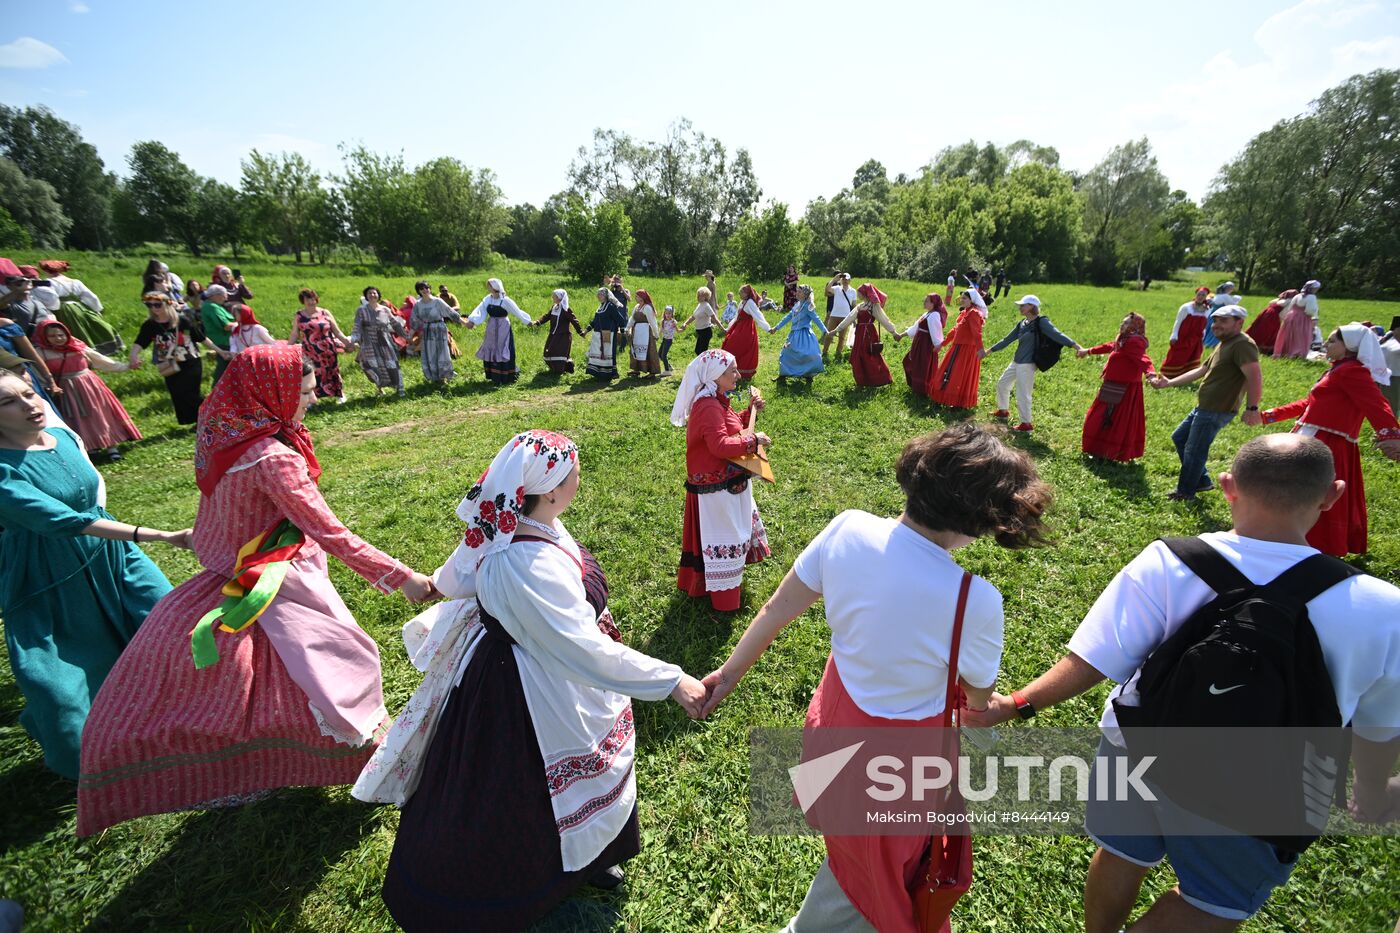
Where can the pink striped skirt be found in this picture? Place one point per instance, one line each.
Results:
(94, 412)
(294, 700)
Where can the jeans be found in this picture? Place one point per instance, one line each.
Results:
(1193, 438)
(665, 353)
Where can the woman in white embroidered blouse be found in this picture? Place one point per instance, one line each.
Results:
(513, 762)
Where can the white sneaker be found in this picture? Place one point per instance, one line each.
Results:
(342, 400)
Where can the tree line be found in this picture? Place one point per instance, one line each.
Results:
(1314, 196)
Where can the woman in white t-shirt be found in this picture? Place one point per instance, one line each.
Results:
(891, 588)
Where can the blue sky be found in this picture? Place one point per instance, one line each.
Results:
(811, 89)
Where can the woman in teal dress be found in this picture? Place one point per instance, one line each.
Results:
(73, 584)
(802, 354)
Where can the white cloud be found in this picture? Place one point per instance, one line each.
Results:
(28, 52)
(79, 7)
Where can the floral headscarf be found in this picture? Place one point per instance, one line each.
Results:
(870, 293)
(256, 397)
(530, 464)
(71, 345)
(644, 298)
(699, 381)
(1134, 325)
(53, 266)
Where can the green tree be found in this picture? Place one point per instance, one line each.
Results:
(283, 196)
(12, 235)
(936, 226)
(1124, 197)
(1038, 224)
(461, 213)
(382, 202)
(533, 230)
(985, 164)
(658, 229)
(764, 245)
(596, 239)
(164, 192)
(33, 204)
(53, 150)
(866, 251)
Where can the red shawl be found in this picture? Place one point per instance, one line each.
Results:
(71, 345)
(256, 397)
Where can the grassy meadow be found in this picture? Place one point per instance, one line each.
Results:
(313, 859)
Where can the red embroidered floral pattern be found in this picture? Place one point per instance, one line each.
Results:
(566, 771)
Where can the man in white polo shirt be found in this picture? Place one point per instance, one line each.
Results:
(1277, 487)
(841, 300)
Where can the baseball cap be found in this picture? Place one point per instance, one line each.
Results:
(1029, 300)
(1231, 311)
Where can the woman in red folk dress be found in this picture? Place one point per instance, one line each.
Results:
(742, 337)
(87, 404)
(868, 362)
(253, 674)
(1116, 426)
(1188, 335)
(721, 531)
(1333, 411)
(1264, 330)
(921, 362)
(954, 383)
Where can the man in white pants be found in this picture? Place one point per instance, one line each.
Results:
(1021, 370)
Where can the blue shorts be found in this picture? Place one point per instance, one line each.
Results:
(1221, 872)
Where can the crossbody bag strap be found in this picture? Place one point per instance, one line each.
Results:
(950, 698)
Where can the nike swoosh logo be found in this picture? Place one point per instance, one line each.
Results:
(1217, 692)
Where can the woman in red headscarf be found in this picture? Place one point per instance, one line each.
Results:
(867, 362)
(1116, 426)
(921, 361)
(248, 331)
(252, 675)
(86, 404)
(1264, 330)
(742, 337)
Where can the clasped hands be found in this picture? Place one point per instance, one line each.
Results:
(700, 697)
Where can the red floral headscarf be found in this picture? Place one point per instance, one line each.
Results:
(256, 397)
(53, 266)
(1134, 325)
(246, 317)
(746, 292)
(870, 293)
(644, 298)
(938, 306)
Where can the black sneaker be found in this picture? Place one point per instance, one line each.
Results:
(608, 879)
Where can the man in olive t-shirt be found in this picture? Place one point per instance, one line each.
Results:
(1232, 372)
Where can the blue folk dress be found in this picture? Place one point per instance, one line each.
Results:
(71, 602)
(802, 354)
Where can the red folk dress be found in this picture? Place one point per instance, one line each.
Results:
(1333, 411)
(921, 362)
(1116, 426)
(89, 407)
(742, 340)
(1185, 355)
(868, 366)
(1264, 330)
(295, 698)
(955, 381)
(721, 531)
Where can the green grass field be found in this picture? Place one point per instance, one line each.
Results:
(313, 859)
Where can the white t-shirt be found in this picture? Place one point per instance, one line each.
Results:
(843, 299)
(1357, 623)
(890, 598)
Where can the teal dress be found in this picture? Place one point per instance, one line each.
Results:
(802, 354)
(70, 602)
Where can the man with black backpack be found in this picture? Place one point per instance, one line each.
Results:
(1038, 344)
(1246, 628)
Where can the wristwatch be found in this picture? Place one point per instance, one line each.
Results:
(1251, 408)
(1024, 709)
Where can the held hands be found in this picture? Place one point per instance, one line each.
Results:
(418, 588)
(999, 709)
(982, 353)
(719, 684)
(1081, 353)
(180, 539)
(1252, 418)
(1390, 448)
(1157, 381)
(691, 695)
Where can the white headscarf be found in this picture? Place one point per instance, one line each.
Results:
(699, 381)
(977, 301)
(1311, 286)
(561, 301)
(1361, 340)
(496, 286)
(531, 464)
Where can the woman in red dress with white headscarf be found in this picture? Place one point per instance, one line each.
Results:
(742, 337)
(1348, 393)
(868, 363)
(955, 381)
(1116, 426)
(276, 686)
(1264, 330)
(721, 531)
(1188, 335)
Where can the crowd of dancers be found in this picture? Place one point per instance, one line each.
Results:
(516, 779)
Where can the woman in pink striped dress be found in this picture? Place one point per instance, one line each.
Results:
(292, 697)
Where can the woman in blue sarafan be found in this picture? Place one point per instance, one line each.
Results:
(608, 322)
(802, 354)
